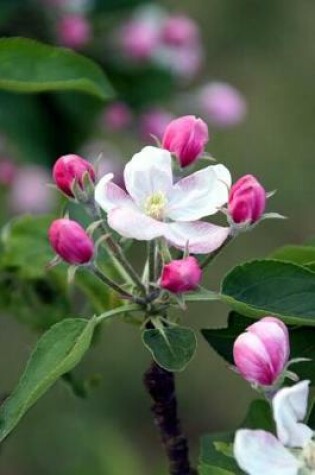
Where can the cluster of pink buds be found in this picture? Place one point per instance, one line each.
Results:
(173, 42)
(153, 206)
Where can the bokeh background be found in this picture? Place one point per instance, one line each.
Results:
(266, 50)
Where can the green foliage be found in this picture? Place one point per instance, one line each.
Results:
(259, 416)
(112, 5)
(57, 352)
(302, 343)
(216, 455)
(29, 66)
(273, 287)
(172, 347)
(302, 255)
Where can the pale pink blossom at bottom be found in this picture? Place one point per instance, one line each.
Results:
(258, 452)
(154, 122)
(222, 104)
(74, 31)
(7, 171)
(30, 192)
(155, 206)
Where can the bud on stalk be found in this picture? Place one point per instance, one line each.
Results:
(261, 353)
(182, 275)
(70, 169)
(247, 200)
(70, 241)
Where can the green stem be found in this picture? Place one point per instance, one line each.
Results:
(152, 262)
(209, 259)
(109, 282)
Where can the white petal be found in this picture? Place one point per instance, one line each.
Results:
(201, 194)
(108, 195)
(131, 223)
(289, 408)
(259, 453)
(201, 237)
(148, 172)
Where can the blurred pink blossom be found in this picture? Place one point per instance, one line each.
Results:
(180, 30)
(7, 171)
(117, 116)
(74, 31)
(222, 104)
(29, 192)
(153, 122)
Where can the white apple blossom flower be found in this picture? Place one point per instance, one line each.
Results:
(155, 206)
(292, 452)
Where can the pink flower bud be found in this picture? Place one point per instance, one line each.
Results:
(262, 351)
(138, 39)
(247, 200)
(180, 30)
(186, 137)
(222, 104)
(117, 116)
(181, 275)
(74, 31)
(7, 171)
(70, 241)
(153, 123)
(70, 168)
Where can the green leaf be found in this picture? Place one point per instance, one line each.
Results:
(173, 348)
(270, 287)
(113, 5)
(259, 416)
(201, 296)
(293, 253)
(216, 455)
(302, 343)
(57, 352)
(29, 66)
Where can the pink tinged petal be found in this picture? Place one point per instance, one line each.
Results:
(289, 408)
(200, 194)
(274, 336)
(252, 359)
(109, 196)
(131, 223)
(148, 172)
(201, 237)
(260, 453)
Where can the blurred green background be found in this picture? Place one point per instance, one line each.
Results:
(267, 50)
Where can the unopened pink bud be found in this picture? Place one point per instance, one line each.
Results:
(154, 123)
(181, 275)
(262, 352)
(69, 169)
(70, 241)
(186, 137)
(247, 200)
(117, 116)
(180, 30)
(222, 104)
(74, 31)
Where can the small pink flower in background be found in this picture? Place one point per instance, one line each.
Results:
(222, 104)
(69, 169)
(154, 122)
(181, 275)
(74, 31)
(138, 38)
(180, 30)
(186, 137)
(117, 116)
(247, 200)
(29, 192)
(7, 171)
(70, 241)
(262, 352)
(154, 206)
(258, 452)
